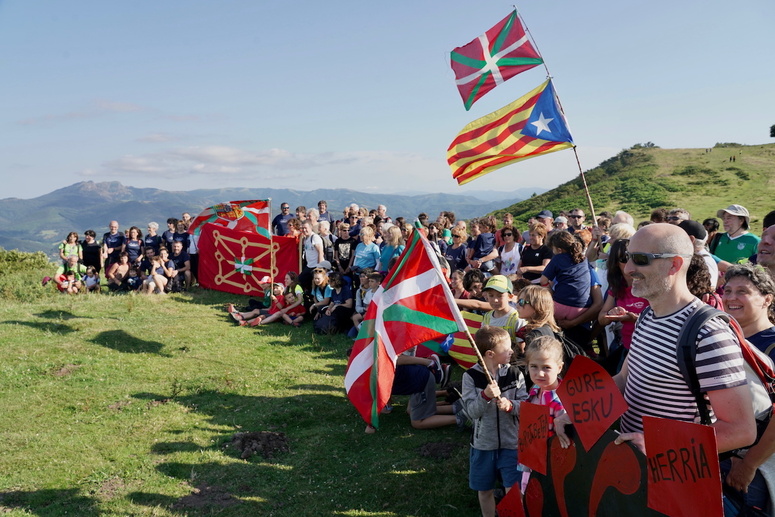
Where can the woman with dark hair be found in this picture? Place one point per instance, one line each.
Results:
(92, 251)
(569, 271)
(70, 246)
(748, 297)
(699, 282)
(133, 246)
(337, 316)
(118, 273)
(510, 252)
(535, 257)
(620, 304)
(711, 226)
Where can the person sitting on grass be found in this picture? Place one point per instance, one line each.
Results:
(362, 301)
(92, 280)
(65, 283)
(291, 311)
(361, 293)
(321, 292)
(253, 317)
(117, 273)
(162, 270)
(494, 408)
(133, 280)
(336, 317)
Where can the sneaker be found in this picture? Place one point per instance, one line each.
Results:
(461, 417)
(435, 368)
(445, 371)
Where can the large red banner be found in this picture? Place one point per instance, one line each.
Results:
(235, 261)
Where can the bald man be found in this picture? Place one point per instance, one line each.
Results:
(658, 258)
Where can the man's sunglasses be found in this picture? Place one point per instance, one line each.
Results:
(576, 216)
(645, 259)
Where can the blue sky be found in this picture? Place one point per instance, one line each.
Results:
(191, 94)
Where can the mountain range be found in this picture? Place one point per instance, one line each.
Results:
(39, 224)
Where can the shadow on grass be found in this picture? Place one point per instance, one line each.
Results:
(46, 503)
(44, 326)
(55, 314)
(332, 467)
(122, 341)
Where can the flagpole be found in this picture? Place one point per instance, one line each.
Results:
(575, 153)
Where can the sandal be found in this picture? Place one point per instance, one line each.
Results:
(239, 318)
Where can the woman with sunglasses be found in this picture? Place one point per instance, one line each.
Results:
(510, 253)
(749, 293)
(456, 253)
(620, 304)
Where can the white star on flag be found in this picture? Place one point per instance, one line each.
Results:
(542, 124)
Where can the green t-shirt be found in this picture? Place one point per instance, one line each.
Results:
(736, 249)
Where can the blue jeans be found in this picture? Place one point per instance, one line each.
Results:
(757, 497)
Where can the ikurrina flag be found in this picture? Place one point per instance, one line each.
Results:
(246, 216)
(494, 57)
(414, 304)
(530, 126)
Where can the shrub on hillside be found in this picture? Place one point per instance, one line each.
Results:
(21, 273)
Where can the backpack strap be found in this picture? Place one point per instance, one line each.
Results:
(686, 352)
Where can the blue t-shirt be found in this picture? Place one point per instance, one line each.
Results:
(280, 224)
(388, 252)
(762, 340)
(483, 245)
(133, 248)
(114, 241)
(572, 281)
(180, 260)
(181, 237)
(456, 257)
(153, 241)
(344, 294)
(366, 255)
(321, 293)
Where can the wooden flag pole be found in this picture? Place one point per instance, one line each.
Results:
(575, 153)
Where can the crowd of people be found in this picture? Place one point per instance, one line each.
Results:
(616, 291)
(129, 260)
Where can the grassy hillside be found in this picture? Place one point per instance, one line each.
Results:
(639, 180)
(127, 405)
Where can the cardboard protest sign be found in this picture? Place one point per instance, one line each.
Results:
(683, 468)
(606, 480)
(533, 436)
(591, 398)
(511, 504)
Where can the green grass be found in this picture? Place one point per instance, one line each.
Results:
(639, 180)
(126, 405)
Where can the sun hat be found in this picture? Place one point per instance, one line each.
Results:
(738, 210)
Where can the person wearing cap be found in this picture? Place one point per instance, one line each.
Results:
(498, 291)
(736, 243)
(547, 219)
(560, 223)
(699, 237)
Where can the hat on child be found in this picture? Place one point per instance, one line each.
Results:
(265, 280)
(499, 283)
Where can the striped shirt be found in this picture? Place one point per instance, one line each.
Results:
(655, 386)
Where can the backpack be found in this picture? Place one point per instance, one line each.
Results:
(758, 367)
(570, 348)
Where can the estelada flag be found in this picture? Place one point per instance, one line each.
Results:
(246, 216)
(414, 304)
(457, 345)
(235, 261)
(494, 57)
(528, 127)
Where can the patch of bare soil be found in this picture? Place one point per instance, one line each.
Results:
(439, 450)
(205, 495)
(266, 443)
(65, 370)
(110, 488)
(121, 404)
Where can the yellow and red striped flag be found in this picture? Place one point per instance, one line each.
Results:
(530, 126)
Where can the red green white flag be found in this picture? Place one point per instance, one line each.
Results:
(248, 216)
(414, 304)
(494, 57)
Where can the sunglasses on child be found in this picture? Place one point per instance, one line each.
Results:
(522, 302)
(645, 259)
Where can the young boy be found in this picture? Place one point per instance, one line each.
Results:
(497, 292)
(294, 312)
(494, 409)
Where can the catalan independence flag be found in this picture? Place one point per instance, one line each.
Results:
(530, 126)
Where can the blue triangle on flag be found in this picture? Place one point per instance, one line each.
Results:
(546, 120)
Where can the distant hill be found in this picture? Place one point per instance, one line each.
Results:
(639, 179)
(39, 224)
